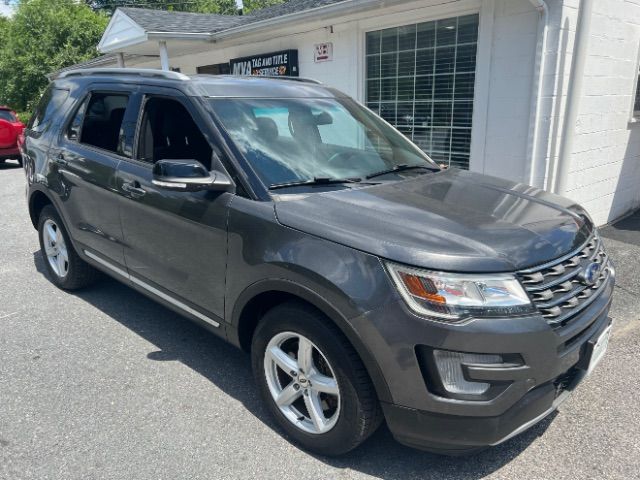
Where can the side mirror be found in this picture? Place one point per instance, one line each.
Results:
(188, 176)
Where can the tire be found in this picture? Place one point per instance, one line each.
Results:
(19, 160)
(350, 416)
(66, 270)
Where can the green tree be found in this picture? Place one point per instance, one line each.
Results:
(224, 7)
(41, 37)
(249, 6)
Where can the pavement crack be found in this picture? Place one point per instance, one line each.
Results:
(629, 291)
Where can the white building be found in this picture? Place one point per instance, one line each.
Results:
(481, 84)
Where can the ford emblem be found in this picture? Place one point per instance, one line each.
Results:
(590, 274)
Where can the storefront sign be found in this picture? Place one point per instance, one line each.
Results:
(275, 64)
(323, 52)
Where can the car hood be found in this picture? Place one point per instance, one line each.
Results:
(451, 220)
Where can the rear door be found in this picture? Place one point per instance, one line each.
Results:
(176, 242)
(91, 145)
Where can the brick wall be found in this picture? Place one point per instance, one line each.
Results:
(604, 174)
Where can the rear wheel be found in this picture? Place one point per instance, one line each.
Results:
(313, 381)
(64, 267)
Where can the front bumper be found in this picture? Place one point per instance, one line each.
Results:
(553, 364)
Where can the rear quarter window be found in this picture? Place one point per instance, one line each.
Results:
(51, 101)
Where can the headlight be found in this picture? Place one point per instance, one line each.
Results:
(456, 297)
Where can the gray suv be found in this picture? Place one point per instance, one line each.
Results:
(367, 283)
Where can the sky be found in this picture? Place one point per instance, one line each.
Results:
(6, 9)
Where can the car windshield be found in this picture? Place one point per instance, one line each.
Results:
(7, 115)
(297, 140)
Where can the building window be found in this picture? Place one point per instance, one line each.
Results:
(217, 69)
(420, 78)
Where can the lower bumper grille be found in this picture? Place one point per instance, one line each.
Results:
(566, 286)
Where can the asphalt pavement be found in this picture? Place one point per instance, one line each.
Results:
(107, 384)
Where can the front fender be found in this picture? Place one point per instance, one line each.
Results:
(264, 256)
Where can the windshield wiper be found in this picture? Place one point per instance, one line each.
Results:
(401, 168)
(314, 182)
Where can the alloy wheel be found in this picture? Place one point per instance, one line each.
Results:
(302, 383)
(55, 248)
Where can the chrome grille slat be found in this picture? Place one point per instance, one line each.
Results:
(562, 299)
(579, 308)
(556, 287)
(554, 282)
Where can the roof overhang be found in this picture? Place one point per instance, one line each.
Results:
(313, 15)
(123, 34)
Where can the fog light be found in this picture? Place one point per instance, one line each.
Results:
(449, 365)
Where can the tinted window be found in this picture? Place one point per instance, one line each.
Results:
(102, 120)
(50, 102)
(7, 115)
(168, 132)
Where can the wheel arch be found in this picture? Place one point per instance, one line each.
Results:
(37, 201)
(258, 298)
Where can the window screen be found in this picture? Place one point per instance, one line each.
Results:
(420, 78)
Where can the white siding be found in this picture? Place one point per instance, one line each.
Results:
(509, 97)
(604, 174)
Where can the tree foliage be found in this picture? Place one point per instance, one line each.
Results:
(224, 7)
(42, 37)
(249, 6)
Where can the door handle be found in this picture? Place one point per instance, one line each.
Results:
(133, 187)
(60, 160)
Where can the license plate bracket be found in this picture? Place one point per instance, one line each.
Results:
(595, 350)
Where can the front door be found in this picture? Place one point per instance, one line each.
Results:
(175, 242)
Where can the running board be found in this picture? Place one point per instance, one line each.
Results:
(152, 290)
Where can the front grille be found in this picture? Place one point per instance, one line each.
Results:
(557, 288)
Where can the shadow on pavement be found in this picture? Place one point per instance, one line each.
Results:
(177, 339)
(9, 165)
(625, 230)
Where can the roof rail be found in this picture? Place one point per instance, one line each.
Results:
(142, 72)
(293, 79)
(274, 77)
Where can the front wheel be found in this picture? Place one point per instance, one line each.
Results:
(313, 381)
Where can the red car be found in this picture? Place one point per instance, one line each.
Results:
(10, 135)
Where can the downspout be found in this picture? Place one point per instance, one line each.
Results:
(572, 108)
(536, 94)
